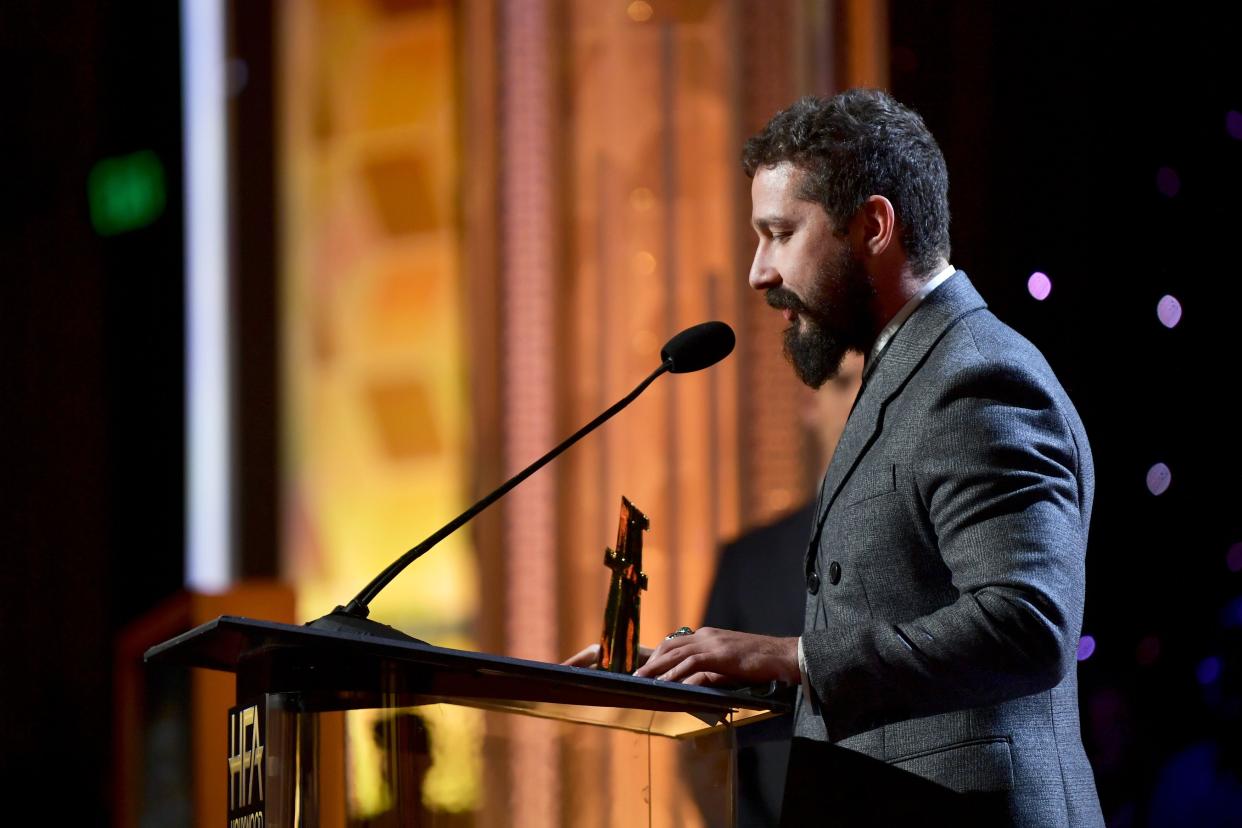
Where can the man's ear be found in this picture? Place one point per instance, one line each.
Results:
(874, 226)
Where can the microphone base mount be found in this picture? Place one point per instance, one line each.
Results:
(340, 620)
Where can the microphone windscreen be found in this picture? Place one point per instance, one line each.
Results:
(697, 348)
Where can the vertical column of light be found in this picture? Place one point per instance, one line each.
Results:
(208, 564)
(528, 320)
(866, 43)
(772, 454)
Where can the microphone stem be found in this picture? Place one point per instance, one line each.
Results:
(358, 606)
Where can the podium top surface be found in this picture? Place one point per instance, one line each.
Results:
(275, 657)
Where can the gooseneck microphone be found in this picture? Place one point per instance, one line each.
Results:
(691, 350)
(697, 348)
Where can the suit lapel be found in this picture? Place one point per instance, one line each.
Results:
(905, 352)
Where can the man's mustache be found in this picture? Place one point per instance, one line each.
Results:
(785, 299)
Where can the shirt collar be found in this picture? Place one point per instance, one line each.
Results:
(886, 335)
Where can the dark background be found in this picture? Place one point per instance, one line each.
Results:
(91, 333)
(1054, 123)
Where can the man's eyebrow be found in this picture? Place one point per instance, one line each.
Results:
(764, 222)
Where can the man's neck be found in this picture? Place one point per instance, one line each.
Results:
(925, 287)
(894, 291)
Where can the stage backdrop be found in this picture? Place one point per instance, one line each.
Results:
(377, 414)
(492, 215)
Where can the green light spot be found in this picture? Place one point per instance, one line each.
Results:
(126, 192)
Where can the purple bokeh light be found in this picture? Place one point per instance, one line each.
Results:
(1158, 479)
(1086, 646)
(1233, 124)
(1039, 285)
(1169, 311)
(1168, 182)
(1208, 670)
(1233, 558)
(1148, 650)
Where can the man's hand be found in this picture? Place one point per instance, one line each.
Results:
(711, 656)
(589, 657)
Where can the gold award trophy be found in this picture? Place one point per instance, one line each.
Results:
(618, 646)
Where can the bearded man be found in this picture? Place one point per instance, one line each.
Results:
(945, 571)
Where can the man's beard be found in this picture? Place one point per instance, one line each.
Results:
(826, 328)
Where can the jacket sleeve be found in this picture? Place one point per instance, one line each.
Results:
(997, 469)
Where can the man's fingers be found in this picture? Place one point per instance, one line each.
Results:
(693, 663)
(666, 655)
(713, 656)
(586, 657)
(589, 657)
(671, 650)
(707, 679)
(681, 663)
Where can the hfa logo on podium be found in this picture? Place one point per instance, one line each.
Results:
(246, 729)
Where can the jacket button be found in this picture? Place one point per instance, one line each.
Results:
(834, 573)
(812, 583)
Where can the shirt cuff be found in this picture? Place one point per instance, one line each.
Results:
(806, 682)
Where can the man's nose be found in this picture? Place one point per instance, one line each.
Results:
(762, 274)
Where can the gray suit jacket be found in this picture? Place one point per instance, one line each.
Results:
(948, 574)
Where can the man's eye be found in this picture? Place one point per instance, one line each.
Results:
(780, 237)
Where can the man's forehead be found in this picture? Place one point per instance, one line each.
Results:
(776, 194)
(778, 177)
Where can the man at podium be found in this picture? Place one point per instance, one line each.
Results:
(945, 573)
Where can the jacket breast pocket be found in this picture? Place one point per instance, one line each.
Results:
(984, 764)
(868, 484)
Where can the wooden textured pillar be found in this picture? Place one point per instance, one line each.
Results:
(528, 265)
(773, 447)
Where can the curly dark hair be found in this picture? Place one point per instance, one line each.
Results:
(857, 144)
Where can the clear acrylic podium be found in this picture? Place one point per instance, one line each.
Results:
(458, 738)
